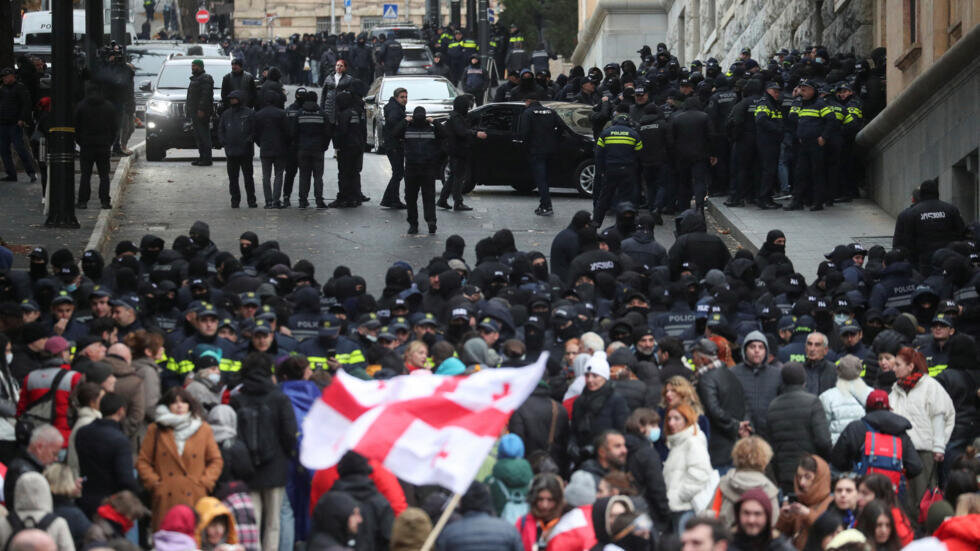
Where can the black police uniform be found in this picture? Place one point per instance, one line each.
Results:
(769, 126)
(422, 142)
(540, 129)
(310, 134)
(814, 119)
(617, 159)
(394, 124)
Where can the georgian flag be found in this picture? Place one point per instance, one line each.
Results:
(426, 430)
(574, 531)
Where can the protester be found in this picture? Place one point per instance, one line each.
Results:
(750, 456)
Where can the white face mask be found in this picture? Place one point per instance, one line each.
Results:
(9, 356)
(214, 378)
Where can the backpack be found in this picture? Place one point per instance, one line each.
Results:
(41, 411)
(257, 431)
(882, 454)
(516, 505)
(18, 525)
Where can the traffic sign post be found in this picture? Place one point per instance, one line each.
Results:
(390, 11)
(203, 16)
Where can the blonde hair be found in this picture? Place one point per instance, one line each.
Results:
(685, 389)
(412, 347)
(751, 453)
(61, 479)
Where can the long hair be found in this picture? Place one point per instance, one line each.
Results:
(912, 356)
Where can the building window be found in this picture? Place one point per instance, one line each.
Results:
(911, 22)
(323, 24)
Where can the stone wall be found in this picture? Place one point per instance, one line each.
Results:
(615, 30)
(721, 28)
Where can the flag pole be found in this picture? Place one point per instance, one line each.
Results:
(446, 513)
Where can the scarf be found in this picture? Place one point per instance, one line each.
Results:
(908, 383)
(184, 426)
(107, 512)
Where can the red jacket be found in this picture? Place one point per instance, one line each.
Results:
(386, 482)
(38, 383)
(960, 533)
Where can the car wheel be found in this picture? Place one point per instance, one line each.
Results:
(155, 152)
(585, 177)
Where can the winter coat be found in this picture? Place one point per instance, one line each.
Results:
(843, 404)
(789, 414)
(479, 530)
(725, 406)
(271, 128)
(930, 410)
(532, 422)
(33, 501)
(106, 460)
(85, 416)
(257, 391)
(849, 449)
(821, 375)
(96, 122)
(564, 248)
(237, 461)
(960, 381)
(737, 482)
(244, 83)
(200, 96)
(687, 469)
(394, 123)
(696, 246)
(78, 522)
(378, 515)
(310, 131)
(236, 129)
(689, 133)
(329, 95)
(594, 412)
(960, 533)
(173, 478)
(129, 385)
(643, 248)
(643, 464)
(761, 386)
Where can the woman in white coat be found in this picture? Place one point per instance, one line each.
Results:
(845, 402)
(925, 403)
(687, 470)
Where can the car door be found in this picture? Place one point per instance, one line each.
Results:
(505, 158)
(371, 109)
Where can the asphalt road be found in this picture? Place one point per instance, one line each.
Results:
(164, 198)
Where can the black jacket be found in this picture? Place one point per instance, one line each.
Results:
(106, 460)
(422, 143)
(272, 131)
(458, 132)
(643, 249)
(243, 82)
(725, 407)
(238, 462)
(690, 134)
(310, 131)
(96, 122)
(15, 104)
(236, 129)
(820, 376)
(540, 129)
(200, 96)
(349, 129)
(849, 448)
(271, 93)
(696, 246)
(930, 225)
(22, 463)
(532, 422)
(653, 132)
(256, 391)
(394, 123)
(375, 532)
(643, 464)
(329, 95)
(595, 412)
(564, 249)
(797, 426)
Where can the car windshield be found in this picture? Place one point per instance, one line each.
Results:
(415, 54)
(399, 33)
(147, 63)
(575, 117)
(420, 89)
(178, 76)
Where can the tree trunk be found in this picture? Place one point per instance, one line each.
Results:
(188, 18)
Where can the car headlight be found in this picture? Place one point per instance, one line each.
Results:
(158, 106)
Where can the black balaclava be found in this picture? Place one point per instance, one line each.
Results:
(418, 117)
(92, 265)
(247, 250)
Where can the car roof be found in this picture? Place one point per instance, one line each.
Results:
(187, 60)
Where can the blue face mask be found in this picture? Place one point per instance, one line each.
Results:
(654, 434)
(71, 288)
(62, 455)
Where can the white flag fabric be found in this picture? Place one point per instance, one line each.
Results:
(426, 430)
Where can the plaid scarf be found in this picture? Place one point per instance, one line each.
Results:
(908, 383)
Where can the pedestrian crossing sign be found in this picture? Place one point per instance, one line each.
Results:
(390, 11)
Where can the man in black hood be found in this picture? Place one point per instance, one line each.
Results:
(696, 246)
(349, 142)
(422, 141)
(96, 125)
(540, 129)
(336, 522)
(565, 245)
(310, 135)
(458, 134)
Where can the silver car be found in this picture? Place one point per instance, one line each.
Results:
(416, 59)
(434, 93)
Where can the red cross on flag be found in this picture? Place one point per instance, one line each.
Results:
(426, 429)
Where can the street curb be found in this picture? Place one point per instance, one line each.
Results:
(721, 215)
(101, 230)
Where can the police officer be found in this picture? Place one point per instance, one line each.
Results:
(741, 129)
(853, 123)
(273, 135)
(518, 58)
(348, 138)
(540, 57)
(238, 79)
(235, 130)
(310, 135)
(458, 134)
(395, 121)
(653, 131)
(361, 60)
(719, 106)
(540, 130)
(690, 136)
(390, 55)
(927, 226)
(457, 57)
(617, 161)
(423, 147)
(813, 120)
(832, 150)
(769, 126)
(199, 106)
(475, 79)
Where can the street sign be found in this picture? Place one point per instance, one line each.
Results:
(490, 16)
(252, 22)
(202, 16)
(346, 3)
(390, 11)
(348, 15)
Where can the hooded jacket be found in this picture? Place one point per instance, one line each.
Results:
(32, 496)
(689, 133)
(96, 122)
(760, 383)
(208, 509)
(330, 522)
(694, 245)
(725, 406)
(797, 427)
(258, 391)
(849, 448)
(737, 482)
(644, 465)
(375, 531)
(960, 381)
(272, 133)
(458, 133)
(236, 127)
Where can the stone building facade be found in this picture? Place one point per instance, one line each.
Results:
(310, 16)
(699, 29)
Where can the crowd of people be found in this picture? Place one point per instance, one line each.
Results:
(693, 398)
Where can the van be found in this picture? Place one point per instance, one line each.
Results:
(35, 28)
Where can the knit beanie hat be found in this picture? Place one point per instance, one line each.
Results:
(511, 447)
(580, 490)
(598, 365)
(759, 496)
(849, 367)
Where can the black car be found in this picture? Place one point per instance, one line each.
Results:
(502, 160)
(165, 118)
